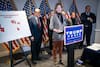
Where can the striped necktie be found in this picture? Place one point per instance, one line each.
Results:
(39, 23)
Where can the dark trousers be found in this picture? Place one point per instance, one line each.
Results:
(87, 33)
(35, 49)
(50, 40)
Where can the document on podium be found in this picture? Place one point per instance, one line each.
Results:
(95, 46)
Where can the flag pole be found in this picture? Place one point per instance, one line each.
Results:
(33, 2)
(13, 5)
(74, 1)
(78, 15)
(6, 5)
(45, 8)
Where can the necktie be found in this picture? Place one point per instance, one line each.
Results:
(87, 13)
(39, 23)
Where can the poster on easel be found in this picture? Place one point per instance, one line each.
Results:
(13, 25)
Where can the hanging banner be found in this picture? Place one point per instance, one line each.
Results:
(13, 25)
(73, 34)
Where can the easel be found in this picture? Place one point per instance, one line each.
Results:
(11, 55)
(15, 25)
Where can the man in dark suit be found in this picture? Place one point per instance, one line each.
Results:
(36, 27)
(87, 19)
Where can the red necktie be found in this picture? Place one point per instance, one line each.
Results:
(39, 23)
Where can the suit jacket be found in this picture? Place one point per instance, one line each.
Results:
(55, 23)
(85, 21)
(35, 30)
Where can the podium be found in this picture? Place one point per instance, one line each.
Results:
(72, 34)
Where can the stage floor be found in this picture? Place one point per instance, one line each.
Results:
(47, 61)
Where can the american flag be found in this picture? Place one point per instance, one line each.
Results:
(15, 44)
(44, 7)
(25, 41)
(45, 30)
(29, 7)
(73, 8)
(5, 5)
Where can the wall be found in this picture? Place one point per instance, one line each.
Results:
(97, 36)
(80, 4)
(67, 3)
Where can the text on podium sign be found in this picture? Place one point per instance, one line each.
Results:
(73, 34)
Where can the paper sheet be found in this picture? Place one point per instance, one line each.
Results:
(95, 46)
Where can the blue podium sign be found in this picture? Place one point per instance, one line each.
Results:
(73, 34)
